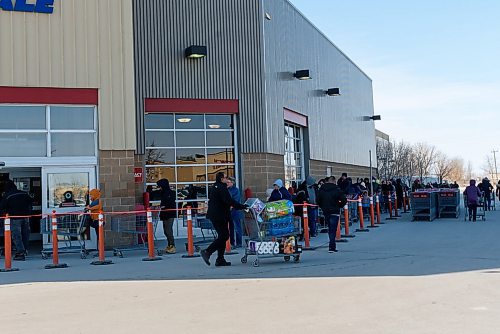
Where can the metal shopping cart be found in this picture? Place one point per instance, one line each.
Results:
(70, 228)
(270, 238)
(480, 208)
(134, 225)
(206, 228)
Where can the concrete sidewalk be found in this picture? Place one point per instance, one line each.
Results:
(403, 277)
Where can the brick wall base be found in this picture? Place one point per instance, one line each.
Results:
(318, 170)
(116, 182)
(260, 170)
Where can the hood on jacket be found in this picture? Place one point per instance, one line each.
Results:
(310, 180)
(279, 183)
(164, 184)
(472, 182)
(10, 186)
(95, 194)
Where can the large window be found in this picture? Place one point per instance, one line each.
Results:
(294, 155)
(47, 131)
(189, 150)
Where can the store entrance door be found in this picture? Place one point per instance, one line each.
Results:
(65, 190)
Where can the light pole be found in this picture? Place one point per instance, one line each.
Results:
(495, 159)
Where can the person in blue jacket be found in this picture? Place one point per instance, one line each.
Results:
(279, 192)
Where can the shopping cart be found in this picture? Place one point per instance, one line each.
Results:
(70, 234)
(481, 213)
(134, 225)
(273, 238)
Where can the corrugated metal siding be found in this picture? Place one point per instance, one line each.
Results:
(337, 132)
(83, 44)
(233, 69)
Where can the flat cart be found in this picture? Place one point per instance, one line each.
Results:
(270, 238)
(449, 203)
(70, 228)
(424, 205)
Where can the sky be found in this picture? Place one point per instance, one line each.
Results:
(435, 66)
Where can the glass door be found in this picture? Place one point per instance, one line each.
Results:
(65, 190)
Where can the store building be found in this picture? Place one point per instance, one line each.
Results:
(122, 93)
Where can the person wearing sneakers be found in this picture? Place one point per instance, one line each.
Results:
(168, 213)
(331, 199)
(219, 212)
(17, 203)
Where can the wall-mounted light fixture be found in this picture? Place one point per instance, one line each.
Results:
(196, 51)
(376, 118)
(302, 75)
(333, 92)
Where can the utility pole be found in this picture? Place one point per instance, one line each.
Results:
(495, 159)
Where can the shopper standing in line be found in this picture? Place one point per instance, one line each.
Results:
(168, 213)
(219, 212)
(235, 229)
(17, 203)
(331, 199)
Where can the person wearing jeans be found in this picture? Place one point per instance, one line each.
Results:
(17, 203)
(331, 199)
(235, 230)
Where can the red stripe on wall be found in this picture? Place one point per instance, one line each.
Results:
(195, 106)
(43, 95)
(295, 117)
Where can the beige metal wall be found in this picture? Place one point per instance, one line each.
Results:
(83, 44)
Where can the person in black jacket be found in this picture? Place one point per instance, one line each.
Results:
(331, 199)
(167, 196)
(219, 212)
(17, 203)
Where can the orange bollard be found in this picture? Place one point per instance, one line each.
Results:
(361, 217)
(338, 234)
(390, 209)
(404, 202)
(151, 238)
(307, 241)
(372, 214)
(377, 199)
(190, 241)
(8, 247)
(228, 244)
(55, 245)
(102, 257)
(396, 214)
(346, 221)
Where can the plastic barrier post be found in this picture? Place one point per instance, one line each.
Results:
(361, 218)
(190, 241)
(404, 202)
(55, 246)
(151, 238)
(377, 199)
(8, 247)
(228, 244)
(372, 214)
(390, 209)
(396, 214)
(102, 258)
(338, 235)
(307, 241)
(346, 221)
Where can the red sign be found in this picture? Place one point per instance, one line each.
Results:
(138, 174)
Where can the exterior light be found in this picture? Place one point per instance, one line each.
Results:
(214, 126)
(196, 51)
(302, 75)
(376, 118)
(184, 120)
(333, 92)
